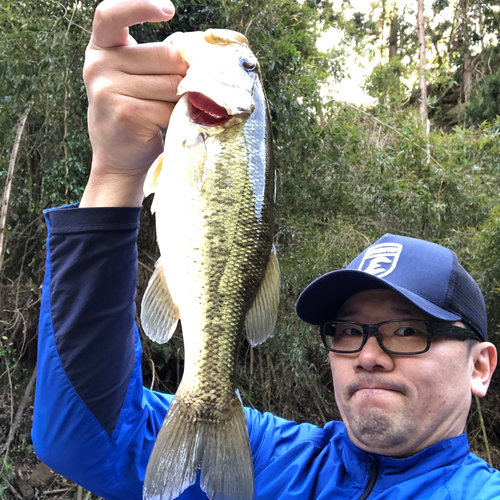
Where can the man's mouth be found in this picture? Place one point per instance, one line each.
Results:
(204, 111)
(374, 389)
(375, 386)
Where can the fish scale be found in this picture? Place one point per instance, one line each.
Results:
(218, 273)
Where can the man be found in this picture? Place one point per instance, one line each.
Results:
(405, 326)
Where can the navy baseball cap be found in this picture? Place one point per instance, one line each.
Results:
(427, 274)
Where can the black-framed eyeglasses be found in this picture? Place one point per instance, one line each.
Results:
(397, 336)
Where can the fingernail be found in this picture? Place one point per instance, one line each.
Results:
(169, 9)
(166, 6)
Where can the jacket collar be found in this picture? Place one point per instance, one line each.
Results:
(358, 463)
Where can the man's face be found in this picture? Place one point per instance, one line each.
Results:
(398, 405)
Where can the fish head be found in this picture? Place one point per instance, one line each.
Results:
(221, 77)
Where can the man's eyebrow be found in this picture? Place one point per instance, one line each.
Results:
(346, 314)
(406, 312)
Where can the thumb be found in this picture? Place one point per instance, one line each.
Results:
(113, 17)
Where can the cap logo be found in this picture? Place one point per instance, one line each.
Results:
(380, 260)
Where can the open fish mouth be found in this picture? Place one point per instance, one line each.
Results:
(204, 111)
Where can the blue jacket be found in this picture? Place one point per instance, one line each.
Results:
(96, 424)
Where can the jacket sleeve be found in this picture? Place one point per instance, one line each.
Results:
(93, 420)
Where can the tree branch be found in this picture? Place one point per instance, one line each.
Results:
(20, 410)
(10, 177)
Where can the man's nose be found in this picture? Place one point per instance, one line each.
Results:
(373, 357)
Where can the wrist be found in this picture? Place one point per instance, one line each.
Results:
(113, 190)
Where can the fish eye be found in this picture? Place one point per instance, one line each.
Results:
(248, 65)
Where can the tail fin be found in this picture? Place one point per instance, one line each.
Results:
(187, 442)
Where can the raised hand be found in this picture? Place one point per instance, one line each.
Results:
(132, 90)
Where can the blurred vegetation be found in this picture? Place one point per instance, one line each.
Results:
(346, 174)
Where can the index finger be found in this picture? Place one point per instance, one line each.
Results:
(113, 17)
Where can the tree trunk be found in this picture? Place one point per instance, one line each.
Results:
(382, 27)
(421, 45)
(10, 177)
(393, 36)
(467, 77)
(481, 23)
(465, 50)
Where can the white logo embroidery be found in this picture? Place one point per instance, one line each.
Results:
(380, 260)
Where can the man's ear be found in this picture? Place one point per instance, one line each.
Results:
(484, 357)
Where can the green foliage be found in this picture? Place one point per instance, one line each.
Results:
(485, 247)
(439, 5)
(6, 476)
(385, 83)
(362, 29)
(42, 47)
(345, 176)
(491, 16)
(485, 102)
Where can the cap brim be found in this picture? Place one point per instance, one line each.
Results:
(322, 299)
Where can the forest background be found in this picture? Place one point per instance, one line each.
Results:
(346, 175)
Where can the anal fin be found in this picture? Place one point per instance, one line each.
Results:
(159, 312)
(263, 313)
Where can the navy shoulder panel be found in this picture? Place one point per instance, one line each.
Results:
(93, 270)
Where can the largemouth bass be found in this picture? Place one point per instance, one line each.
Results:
(214, 201)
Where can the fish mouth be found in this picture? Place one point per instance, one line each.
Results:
(204, 111)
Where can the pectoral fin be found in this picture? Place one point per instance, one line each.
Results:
(196, 156)
(151, 181)
(261, 317)
(159, 312)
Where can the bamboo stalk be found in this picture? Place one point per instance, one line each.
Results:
(422, 63)
(10, 177)
(483, 428)
(56, 492)
(153, 374)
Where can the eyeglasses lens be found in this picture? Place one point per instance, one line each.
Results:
(396, 336)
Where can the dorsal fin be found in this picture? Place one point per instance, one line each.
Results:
(225, 37)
